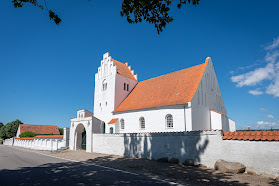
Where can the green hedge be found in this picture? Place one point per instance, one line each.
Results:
(27, 134)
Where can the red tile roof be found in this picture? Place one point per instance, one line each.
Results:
(39, 129)
(252, 135)
(26, 138)
(170, 89)
(123, 70)
(113, 120)
(49, 136)
(41, 136)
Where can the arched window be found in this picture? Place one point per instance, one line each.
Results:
(122, 124)
(124, 86)
(111, 130)
(169, 121)
(104, 85)
(142, 123)
(127, 87)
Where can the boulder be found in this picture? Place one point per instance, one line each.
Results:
(251, 172)
(174, 161)
(229, 167)
(189, 162)
(164, 159)
(270, 176)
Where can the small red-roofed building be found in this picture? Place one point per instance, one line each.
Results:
(38, 129)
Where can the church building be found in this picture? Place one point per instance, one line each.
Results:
(185, 100)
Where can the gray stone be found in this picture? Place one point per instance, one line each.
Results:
(229, 167)
(174, 161)
(164, 159)
(189, 162)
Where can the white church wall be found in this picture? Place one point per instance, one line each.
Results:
(232, 125)
(208, 97)
(96, 125)
(225, 123)
(109, 126)
(120, 93)
(155, 119)
(77, 127)
(104, 99)
(216, 120)
(205, 147)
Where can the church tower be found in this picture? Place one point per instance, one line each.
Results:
(113, 82)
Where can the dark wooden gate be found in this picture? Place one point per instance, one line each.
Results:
(83, 141)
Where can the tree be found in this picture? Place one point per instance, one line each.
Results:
(1, 125)
(61, 130)
(27, 134)
(3, 133)
(11, 128)
(155, 12)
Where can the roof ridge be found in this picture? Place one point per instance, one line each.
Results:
(187, 79)
(39, 125)
(172, 72)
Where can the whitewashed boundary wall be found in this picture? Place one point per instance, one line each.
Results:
(9, 142)
(47, 143)
(204, 147)
(40, 144)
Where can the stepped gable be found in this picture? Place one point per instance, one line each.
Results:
(123, 70)
(39, 129)
(252, 135)
(175, 88)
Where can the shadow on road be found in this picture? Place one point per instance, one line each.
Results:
(86, 173)
(72, 173)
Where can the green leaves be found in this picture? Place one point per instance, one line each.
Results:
(10, 129)
(27, 134)
(52, 16)
(155, 12)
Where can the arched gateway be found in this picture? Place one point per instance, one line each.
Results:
(82, 129)
(80, 137)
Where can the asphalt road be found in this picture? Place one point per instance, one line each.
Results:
(23, 167)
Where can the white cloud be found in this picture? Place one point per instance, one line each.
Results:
(271, 57)
(273, 45)
(273, 88)
(265, 125)
(254, 77)
(256, 92)
(270, 117)
(263, 110)
(267, 75)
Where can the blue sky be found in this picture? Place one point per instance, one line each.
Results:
(47, 72)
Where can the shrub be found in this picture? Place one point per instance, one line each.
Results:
(27, 134)
(61, 130)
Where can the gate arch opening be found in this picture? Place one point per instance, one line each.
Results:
(80, 137)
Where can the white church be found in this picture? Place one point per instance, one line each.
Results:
(185, 100)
